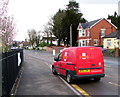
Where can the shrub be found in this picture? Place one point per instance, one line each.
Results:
(112, 50)
(43, 44)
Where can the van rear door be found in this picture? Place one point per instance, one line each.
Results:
(90, 60)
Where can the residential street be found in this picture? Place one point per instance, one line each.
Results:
(60, 48)
(37, 78)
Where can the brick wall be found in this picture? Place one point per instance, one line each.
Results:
(96, 31)
(57, 49)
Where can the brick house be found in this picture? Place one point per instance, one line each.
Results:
(91, 33)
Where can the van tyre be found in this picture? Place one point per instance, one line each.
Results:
(69, 78)
(54, 71)
(97, 79)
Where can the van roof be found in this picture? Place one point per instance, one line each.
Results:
(80, 47)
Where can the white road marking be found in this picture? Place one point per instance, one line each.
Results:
(114, 84)
(108, 75)
(50, 66)
(71, 87)
(75, 91)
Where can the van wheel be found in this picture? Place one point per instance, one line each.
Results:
(97, 79)
(69, 78)
(54, 71)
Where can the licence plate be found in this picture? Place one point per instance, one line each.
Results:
(87, 70)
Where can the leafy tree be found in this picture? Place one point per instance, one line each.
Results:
(58, 28)
(118, 23)
(62, 21)
(115, 19)
(73, 5)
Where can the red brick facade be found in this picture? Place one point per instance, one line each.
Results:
(91, 33)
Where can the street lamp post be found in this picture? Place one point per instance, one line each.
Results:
(71, 35)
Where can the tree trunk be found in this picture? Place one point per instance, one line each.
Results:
(59, 41)
(50, 41)
(67, 43)
(47, 38)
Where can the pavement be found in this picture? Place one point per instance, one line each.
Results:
(37, 78)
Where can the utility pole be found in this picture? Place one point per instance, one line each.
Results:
(71, 35)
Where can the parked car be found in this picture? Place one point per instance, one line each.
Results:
(79, 62)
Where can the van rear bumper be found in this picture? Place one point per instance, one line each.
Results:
(88, 76)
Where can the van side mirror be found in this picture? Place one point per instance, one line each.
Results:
(56, 59)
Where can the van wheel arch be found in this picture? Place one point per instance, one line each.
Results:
(52, 66)
(54, 71)
(67, 72)
(69, 77)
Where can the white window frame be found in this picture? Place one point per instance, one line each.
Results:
(103, 32)
(109, 43)
(96, 40)
(81, 32)
(82, 42)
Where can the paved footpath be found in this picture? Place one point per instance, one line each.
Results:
(37, 78)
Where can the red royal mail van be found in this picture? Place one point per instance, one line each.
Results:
(79, 62)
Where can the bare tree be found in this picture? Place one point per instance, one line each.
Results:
(38, 38)
(34, 37)
(48, 31)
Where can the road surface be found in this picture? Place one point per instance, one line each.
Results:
(37, 78)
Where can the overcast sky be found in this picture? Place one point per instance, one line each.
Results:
(35, 14)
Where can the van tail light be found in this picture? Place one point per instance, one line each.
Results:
(99, 63)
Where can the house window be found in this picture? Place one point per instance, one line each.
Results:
(109, 42)
(102, 32)
(83, 33)
(80, 33)
(95, 42)
(82, 43)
